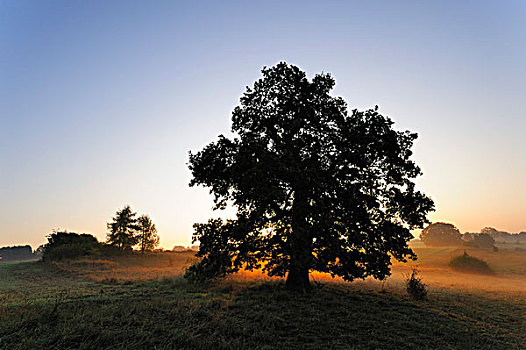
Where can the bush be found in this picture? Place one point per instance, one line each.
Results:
(69, 245)
(470, 264)
(414, 285)
(482, 241)
(471, 244)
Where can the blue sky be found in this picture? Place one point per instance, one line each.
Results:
(101, 101)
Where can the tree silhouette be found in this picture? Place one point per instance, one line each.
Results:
(122, 229)
(441, 234)
(483, 241)
(147, 237)
(315, 187)
(69, 245)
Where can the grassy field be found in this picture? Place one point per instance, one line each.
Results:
(143, 303)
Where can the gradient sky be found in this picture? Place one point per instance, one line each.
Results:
(100, 101)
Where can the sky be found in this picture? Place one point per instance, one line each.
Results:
(101, 101)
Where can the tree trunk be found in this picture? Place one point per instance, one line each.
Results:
(301, 242)
(298, 280)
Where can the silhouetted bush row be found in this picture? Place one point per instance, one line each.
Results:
(70, 245)
(126, 231)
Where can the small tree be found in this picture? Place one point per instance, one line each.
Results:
(147, 236)
(123, 229)
(484, 241)
(414, 285)
(441, 234)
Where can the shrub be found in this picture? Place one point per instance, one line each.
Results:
(484, 241)
(480, 240)
(471, 244)
(69, 245)
(414, 285)
(470, 264)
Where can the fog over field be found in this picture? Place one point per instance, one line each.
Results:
(262, 175)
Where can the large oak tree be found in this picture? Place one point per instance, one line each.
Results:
(315, 186)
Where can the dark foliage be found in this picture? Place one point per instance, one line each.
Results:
(69, 245)
(414, 285)
(123, 229)
(215, 252)
(470, 264)
(481, 240)
(441, 234)
(315, 187)
(147, 237)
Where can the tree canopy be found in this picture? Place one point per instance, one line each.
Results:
(441, 234)
(481, 240)
(122, 229)
(147, 237)
(68, 245)
(316, 187)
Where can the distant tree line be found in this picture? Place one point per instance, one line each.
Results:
(126, 231)
(498, 236)
(18, 253)
(182, 248)
(441, 234)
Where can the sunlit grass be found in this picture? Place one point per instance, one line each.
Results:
(433, 263)
(143, 302)
(509, 267)
(131, 268)
(49, 306)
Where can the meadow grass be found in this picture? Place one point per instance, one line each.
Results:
(74, 306)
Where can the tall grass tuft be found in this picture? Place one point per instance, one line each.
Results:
(414, 285)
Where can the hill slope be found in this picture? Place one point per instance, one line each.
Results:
(45, 308)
